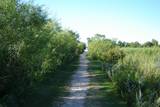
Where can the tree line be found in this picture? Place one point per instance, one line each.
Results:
(31, 46)
(152, 43)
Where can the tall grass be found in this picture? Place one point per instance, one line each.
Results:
(137, 77)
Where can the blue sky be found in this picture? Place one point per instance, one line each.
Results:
(127, 20)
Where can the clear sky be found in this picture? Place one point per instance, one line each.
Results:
(127, 20)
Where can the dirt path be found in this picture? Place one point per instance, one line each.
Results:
(89, 87)
(77, 90)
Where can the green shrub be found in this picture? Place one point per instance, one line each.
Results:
(104, 50)
(137, 76)
(31, 45)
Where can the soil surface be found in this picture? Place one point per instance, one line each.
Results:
(77, 90)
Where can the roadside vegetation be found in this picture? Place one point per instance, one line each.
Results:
(134, 71)
(102, 92)
(31, 47)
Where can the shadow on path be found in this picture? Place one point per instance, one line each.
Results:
(101, 92)
(45, 92)
(77, 90)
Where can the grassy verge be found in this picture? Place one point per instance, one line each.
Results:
(102, 92)
(46, 92)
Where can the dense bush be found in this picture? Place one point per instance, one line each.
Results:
(31, 45)
(137, 77)
(135, 72)
(104, 50)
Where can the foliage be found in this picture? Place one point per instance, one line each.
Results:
(134, 71)
(32, 45)
(153, 43)
(104, 50)
(137, 77)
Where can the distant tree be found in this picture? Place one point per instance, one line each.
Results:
(126, 44)
(154, 42)
(148, 44)
(96, 37)
(114, 41)
(99, 36)
(135, 44)
(122, 44)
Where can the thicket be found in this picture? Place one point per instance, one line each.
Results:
(137, 77)
(31, 45)
(104, 50)
(135, 72)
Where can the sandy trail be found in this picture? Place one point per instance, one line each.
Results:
(78, 87)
